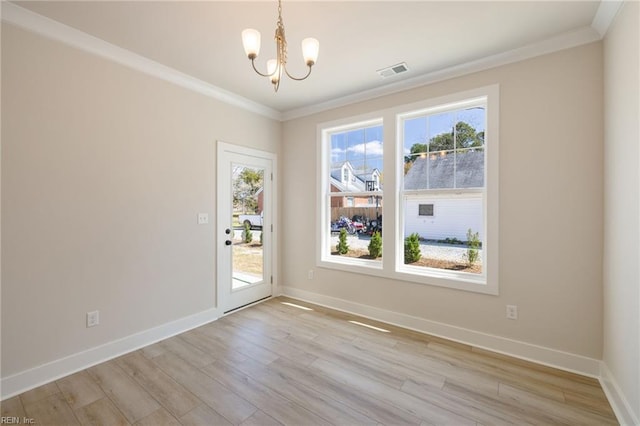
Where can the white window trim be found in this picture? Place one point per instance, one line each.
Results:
(392, 264)
(323, 258)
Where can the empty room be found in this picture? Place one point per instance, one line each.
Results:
(292, 212)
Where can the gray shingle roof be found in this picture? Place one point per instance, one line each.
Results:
(469, 171)
(357, 184)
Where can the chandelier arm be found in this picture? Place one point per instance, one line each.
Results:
(253, 64)
(298, 78)
(252, 46)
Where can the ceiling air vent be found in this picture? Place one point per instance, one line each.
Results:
(393, 70)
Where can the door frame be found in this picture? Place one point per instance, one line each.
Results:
(219, 234)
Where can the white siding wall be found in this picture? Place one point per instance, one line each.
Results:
(452, 216)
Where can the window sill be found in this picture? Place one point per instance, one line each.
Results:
(465, 281)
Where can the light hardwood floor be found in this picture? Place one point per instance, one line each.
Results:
(274, 364)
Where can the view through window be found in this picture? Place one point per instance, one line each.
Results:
(355, 195)
(443, 166)
(434, 219)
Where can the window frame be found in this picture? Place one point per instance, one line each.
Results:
(323, 255)
(392, 265)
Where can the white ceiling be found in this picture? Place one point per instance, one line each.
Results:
(202, 38)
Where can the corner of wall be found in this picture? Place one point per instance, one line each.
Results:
(619, 403)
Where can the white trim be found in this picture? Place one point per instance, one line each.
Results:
(55, 30)
(619, 403)
(222, 146)
(606, 13)
(564, 41)
(518, 349)
(42, 374)
(392, 266)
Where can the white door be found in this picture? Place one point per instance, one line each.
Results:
(245, 192)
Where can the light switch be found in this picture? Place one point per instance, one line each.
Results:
(203, 218)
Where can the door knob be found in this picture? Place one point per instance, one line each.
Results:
(227, 231)
(227, 243)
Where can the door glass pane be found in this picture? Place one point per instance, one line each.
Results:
(248, 198)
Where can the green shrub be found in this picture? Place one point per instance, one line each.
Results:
(342, 247)
(412, 248)
(247, 235)
(473, 243)
(375, 245)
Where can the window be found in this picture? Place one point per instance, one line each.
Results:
(441, 155)
(353, 199)
(444, 163)
(425, 209)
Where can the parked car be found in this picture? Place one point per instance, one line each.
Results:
(253, 220)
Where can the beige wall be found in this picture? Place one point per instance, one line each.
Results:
(622, 204)
(551, 195)
(104, 171)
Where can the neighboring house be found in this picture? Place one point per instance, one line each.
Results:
(260, 196)
(455, 205)
(345, 179)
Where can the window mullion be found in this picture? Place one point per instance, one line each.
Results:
(390, 216)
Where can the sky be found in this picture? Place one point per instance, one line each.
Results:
(363, 147)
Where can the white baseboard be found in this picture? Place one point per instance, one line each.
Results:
(527, 351)
(37, 376)
(619, 403)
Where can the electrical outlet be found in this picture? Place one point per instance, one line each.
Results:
(512, 312)
(310, 274)
(93, 318)
(203, 218)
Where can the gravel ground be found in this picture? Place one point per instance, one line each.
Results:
(454, 253)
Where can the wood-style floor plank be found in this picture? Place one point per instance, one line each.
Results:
(101, 412)
(174, 397)
(203, 415)
(276, 364)
(158, 417)
(271, 403)
(222, 400)
(12, 407)
(80, 389)
(332, 410)
(52, 410)
(130, 398)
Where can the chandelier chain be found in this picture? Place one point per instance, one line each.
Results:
(278, 67)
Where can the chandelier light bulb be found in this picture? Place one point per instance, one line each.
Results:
(310, 48)
(251, 42)
(277, 67)
(272, 70)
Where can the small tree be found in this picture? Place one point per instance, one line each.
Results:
(473, 243)
(375, 245)
(412, 248)
(342, 247)
(247, 235)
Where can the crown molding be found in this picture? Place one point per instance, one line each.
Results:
(52, 29)
(582, 36)
(55, 30)
(606, 13)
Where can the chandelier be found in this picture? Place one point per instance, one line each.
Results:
(276, 67)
